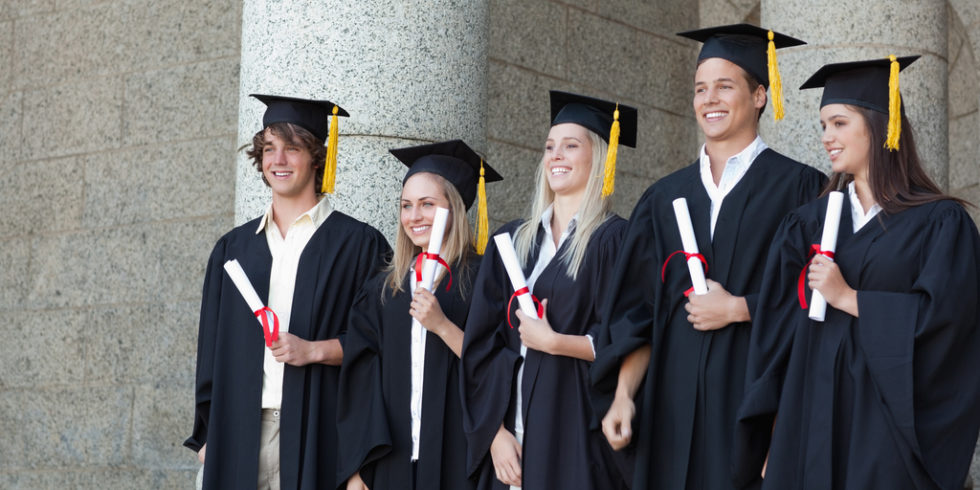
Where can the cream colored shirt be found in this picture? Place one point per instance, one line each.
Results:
(735, 169)
(858, 216)
(282, 281)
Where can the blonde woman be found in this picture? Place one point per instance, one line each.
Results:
(399, 411)
(527, 410)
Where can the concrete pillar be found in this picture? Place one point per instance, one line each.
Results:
(408, 72)
(847, 31)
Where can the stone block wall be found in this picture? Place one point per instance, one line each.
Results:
(117, 130)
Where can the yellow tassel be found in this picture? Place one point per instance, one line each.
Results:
(482, 219)
(330, 166)
(609, 178)
(775, 82)
(894, 107)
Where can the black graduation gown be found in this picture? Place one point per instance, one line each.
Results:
(563, 447)
(687, 405)
(373, 415)
(886, 400)
(340, 256)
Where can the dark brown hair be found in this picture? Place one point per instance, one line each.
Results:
(896, 178)
(296, 135)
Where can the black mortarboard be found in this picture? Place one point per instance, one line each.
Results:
(743, 44)
(452, 160)
(615, 123)
(872, 84)
(311, 115)
(594, 114)
(860, 83)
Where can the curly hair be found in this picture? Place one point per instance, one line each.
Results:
(296, 135)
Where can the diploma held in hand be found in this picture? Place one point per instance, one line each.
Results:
(828, 243)
(262, 313)
(505, 246)
(690, 243)
(435, 246)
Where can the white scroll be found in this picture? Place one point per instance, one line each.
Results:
(244, 286)
(828, 243)
(509, 257)
(436, 234)
(690, 244)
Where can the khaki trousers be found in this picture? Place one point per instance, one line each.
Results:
(269, 451)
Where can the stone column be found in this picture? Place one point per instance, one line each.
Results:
(847, 31)
(408, 73)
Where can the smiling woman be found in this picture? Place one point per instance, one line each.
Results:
(534, 417)
(399, 391)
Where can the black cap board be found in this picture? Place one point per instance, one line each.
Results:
(860, 83)
(594, 114)
(743, 44)
(453, 160)
(311, 115)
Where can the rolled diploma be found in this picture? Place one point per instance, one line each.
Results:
(435, 246)
(237, 275)
(828, 242)
(690, 243)
(509, 257)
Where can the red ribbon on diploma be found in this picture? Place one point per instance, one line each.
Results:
(800, 285)
(523, 290)
(271, 335)
(687, 256)
(426, 255)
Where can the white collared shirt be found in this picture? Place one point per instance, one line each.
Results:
(419, 334)
(858, 217)
(735, 169)
(548, 249)
(418, 373)
(282, 282)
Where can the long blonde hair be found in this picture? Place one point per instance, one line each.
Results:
(592, 212)
(457, 244)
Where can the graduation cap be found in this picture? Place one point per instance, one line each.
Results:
(751, 48)
(456, 162)
(313, 116)
(872, 84)
(614, 123)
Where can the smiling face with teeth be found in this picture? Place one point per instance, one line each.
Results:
(727, 110)
(287, 167)
(421, 195)
(846, 139)
(568, 158)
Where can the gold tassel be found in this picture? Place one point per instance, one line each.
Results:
(775, 82)
(330, 166)
(482, 219)
(609, 178)
(894, 107)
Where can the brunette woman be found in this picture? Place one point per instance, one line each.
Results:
(883, 393)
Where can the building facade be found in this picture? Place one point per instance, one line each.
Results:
(121, 123)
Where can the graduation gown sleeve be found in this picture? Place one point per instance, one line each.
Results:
(489, 361)
(771, 342)
(921, 345)
(631, 301)
(205, 348)
(362, 421)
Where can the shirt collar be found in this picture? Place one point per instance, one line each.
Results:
(856, 208)
(740, 159)
(317, 214)
(546, 221)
